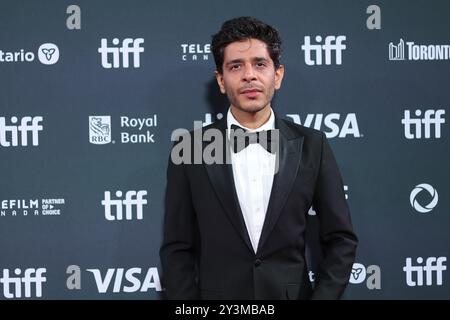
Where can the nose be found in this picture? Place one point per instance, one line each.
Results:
(248, 75)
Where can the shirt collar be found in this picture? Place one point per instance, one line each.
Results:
(270, 124)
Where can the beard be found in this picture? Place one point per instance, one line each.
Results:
(250, 105)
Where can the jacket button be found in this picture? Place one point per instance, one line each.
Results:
(257, 262)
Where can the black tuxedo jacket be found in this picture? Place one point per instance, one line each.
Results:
(206, 251)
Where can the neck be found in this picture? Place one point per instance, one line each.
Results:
(251, 120)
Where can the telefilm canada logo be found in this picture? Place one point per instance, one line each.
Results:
(32, 207)
(133, 130)
(195, 51)
(47, 53)
(417, 52)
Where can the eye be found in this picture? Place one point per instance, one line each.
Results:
(235, 67)
(260, 64)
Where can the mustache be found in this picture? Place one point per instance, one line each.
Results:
(250, 87)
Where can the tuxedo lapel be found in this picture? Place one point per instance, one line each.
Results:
(221, 177)
(290, 151)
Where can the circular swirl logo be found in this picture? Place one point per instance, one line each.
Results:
(418, 189)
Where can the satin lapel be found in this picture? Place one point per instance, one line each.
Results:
(289, 161)
(221, 177)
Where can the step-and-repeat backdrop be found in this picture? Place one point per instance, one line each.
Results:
(90, 92)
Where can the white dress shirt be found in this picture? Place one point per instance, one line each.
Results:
(253, 171)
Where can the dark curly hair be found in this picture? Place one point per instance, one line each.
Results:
(243, 28)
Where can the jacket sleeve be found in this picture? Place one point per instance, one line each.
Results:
(338, 241)
(180, 233)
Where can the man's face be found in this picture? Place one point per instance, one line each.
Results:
(249, 78)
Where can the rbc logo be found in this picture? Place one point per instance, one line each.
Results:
(99, 129)
(48, 53)
(132, 198)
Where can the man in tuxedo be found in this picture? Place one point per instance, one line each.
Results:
(235, 229)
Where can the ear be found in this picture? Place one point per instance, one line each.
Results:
(220, 82)
(279, 73)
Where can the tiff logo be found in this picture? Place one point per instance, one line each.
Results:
(132, 198)
(14, 286)
(129, 47)
(9, 134)
(332, 44)
(397, 52)
(431, 118)
(432, 265)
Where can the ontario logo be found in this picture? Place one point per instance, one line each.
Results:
(48, 53)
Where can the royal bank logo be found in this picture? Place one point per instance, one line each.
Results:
(432, 271)
(100, 129)
(32, 207)
(334, 125)
(371, 275)
(119, 56)
(432, 195)
(195, 51)
(133, 130)
(48, 53)
(414, 52)
(23, 284)
(13, 134)
(330, 52)
(132, 205)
